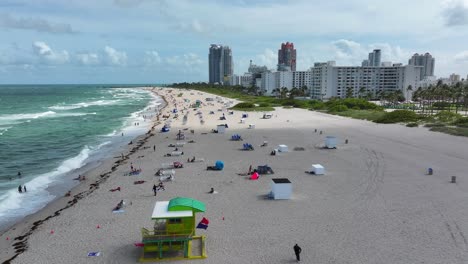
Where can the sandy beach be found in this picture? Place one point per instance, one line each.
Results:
(375, 203)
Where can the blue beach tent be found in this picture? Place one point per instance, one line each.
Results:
(219, 165)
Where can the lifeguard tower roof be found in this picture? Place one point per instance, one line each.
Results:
(177, 208)
(161, 211)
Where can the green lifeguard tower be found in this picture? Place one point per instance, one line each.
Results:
(173, 236)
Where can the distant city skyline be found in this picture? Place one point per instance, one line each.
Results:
(161, 41)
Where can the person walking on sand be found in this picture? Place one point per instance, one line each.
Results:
(154, 147)
(297, 251)
(155, 189)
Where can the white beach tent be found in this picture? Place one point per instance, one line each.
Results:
(330, 142)
(221, 129)
(281, 188)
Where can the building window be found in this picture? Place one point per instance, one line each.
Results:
(175, 220)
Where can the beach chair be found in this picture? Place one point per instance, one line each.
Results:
(247, 146)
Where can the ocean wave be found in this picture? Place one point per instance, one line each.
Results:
(12, 119)
(64, 107)
(14, 204)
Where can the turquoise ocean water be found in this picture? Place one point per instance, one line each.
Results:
(53, 133)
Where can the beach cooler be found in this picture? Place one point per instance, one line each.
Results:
(281, 189)
(283, 148)
(317, 169)
(330, 142)
(252, 126)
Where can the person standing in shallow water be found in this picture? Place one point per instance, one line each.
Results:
(24, 188)
(297, 251)
(20, 190)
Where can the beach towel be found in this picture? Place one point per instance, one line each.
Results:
(118, 211)
(203, 223)
(139, 245)
(94, 254)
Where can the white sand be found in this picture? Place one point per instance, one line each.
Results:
(374, 205)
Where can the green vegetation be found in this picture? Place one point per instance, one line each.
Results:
(412, 124)
(370, 115)
(456, 131)
(398, 116)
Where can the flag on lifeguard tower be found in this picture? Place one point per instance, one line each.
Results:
(203, 223)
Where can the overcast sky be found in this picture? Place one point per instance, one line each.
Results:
(164, 41)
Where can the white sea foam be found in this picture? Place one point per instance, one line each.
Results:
(13, 204)
(12, 119)
(63, 107)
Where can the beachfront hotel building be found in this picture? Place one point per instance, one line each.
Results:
(325, 80)
(220, 64)
(329, 80)
(287, 57)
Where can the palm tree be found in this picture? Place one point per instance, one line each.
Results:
(349, 92)
(304, 90)
(283, 92)
(361, 92)
(276, 92)
(294, 92)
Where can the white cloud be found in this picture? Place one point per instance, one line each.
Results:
(348, 52)
(49, 56)
(114, 57)
(462, 56)
(268, 58)
(152, 58)
(36, 24)
(88, 58)
(455, 12)
(187, 60)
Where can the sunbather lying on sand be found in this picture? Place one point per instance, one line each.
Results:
(115, 189)
(119, 206)
(139, 182)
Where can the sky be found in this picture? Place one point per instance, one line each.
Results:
(166, 41)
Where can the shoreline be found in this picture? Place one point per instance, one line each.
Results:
(375, 204)
(22, 229)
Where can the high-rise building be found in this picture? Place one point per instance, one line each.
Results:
(220, 64)
(374, 59)
(287, 57)
(426, 61)
(328, 80)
